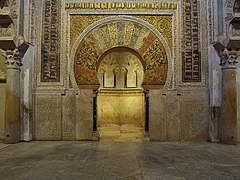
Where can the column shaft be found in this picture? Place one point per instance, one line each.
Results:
(229, 104)
(12, 104)
(229, 97)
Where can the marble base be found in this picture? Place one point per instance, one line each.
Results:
(120, 108)
(121, 133)
(181, 115)
(157, 119)
(84, 115)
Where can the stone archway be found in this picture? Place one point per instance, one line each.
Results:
(113, 33)
(120, 31)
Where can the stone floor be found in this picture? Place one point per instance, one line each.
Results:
(119, 160)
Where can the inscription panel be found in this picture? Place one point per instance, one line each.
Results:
(191, 54)
(122, 5)
(50, 63)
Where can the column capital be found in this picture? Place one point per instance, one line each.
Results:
(229, 58)
(13, 58)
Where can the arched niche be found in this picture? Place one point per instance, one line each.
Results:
(120, 68)
(120, 33)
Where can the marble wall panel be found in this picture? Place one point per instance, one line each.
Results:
(84, 118)
(195, 115)
(48, 116)
(2, 108)
(69, 116)
(172, 110)
(26, 95)
(157, 115)
(121, 109)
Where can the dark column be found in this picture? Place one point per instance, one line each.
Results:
(94, 110)
(95, 135)
(146, 111)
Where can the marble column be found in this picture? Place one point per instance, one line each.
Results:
(229, 97)
(12, 105)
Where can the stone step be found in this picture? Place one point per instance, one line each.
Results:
(124, 132)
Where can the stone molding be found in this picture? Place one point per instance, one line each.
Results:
(13, 59)
(229, 58)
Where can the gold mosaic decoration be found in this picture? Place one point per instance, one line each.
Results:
(155, 60)
(80, 22)
(120, 33)
(163, 23)
(86, 64)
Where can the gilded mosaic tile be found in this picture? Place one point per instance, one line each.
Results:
(115, 34)
(163, 23)
(80, 22)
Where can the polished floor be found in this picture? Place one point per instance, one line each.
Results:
(119, 160)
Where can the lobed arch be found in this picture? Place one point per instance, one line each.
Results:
(152, 41)
(121, 49)
(120, 68)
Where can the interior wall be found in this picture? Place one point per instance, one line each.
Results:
(178, 115)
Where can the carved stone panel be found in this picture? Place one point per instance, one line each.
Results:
(120, 69)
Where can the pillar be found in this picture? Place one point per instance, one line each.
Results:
(229, 97)
(12, 106)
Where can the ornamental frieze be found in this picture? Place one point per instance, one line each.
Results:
(121, 5)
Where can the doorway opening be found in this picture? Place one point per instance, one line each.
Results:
(121, 98)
